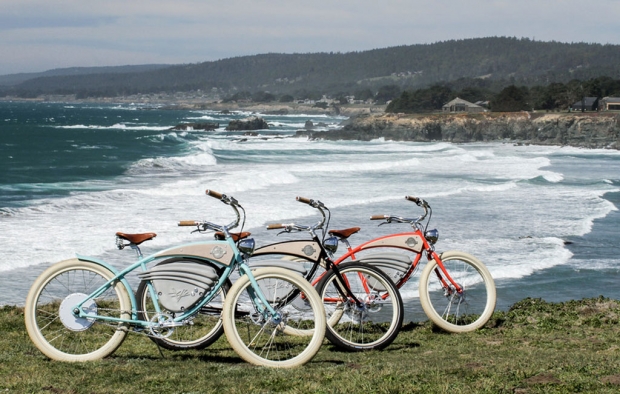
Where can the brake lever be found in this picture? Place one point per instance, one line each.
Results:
(234, 201)
(199, 229)
(387, 221)
(318, 204)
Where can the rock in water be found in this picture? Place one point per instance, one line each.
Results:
(250, 123)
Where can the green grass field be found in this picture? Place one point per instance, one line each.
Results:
(535, 347)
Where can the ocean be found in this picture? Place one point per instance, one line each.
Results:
(544, 219)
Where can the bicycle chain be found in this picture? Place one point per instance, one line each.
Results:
(141, 330)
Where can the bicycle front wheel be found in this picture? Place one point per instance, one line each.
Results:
(289, 339)
(374, 321)
(51, 323)
(449, 309)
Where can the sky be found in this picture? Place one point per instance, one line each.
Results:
(39, 35)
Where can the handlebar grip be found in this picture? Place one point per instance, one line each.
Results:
(214, 194)
(275, 226)
(304, 200)
(379, 217)
(188, 223)
(412, 198)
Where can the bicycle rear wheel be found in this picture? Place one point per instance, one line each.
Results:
(204, 328)
(449, 309)
(264, 340)
(50, 321)
(375, 322)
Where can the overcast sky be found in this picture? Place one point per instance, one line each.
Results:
(38, 35)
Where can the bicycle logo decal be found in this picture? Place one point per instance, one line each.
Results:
(411, 242)
(218, 252)
(179, 294)
(308, 250)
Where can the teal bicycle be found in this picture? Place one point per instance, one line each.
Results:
(82, 309)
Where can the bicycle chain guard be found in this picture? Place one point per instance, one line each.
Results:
(180, 284)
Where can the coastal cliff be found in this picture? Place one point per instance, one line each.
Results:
(588, 130)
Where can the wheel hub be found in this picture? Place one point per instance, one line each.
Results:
(358, 312)
(454, 296)
(68, 313)
(373, 303)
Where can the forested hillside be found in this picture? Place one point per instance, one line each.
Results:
(14, 79)
(494, 62)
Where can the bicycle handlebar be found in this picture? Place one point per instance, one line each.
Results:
(313, 203)
(228, 200)
(400, 219)
(420, 202)
(289, 227)
(414, 199)
(214, 194)
(304, 200)
(292, 226)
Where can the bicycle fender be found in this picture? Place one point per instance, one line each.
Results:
(132, 296)
(98, 261)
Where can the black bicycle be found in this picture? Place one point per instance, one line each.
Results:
(364, 309)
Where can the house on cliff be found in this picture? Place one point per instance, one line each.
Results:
(586, 104)
(460, 105)
(609, 104)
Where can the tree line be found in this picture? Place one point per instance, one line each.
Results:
(552, 97)
(501, 96)
(493, 60)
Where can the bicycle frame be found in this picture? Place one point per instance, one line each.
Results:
(401, 241)
(296, 249)
(196, 250)
(313, 251)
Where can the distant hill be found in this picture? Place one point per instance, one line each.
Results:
(494, 60)
(14, 79)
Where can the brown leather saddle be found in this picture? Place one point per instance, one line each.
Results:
(136, 239)
(344, 234)
(220, 236)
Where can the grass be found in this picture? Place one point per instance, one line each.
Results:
(535, 347)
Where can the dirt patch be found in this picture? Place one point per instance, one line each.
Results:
(545, 378)
(611, 379)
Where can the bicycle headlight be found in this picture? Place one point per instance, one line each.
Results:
(331, 244)
(246, 246)
(432, 236)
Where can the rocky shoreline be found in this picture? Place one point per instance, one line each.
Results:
(599, 130)
(367, 122)
(587, 130)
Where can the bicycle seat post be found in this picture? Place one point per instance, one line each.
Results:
(120, 245)
(346, 243)
(137, 249)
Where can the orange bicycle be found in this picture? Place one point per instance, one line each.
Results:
(456, 290)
